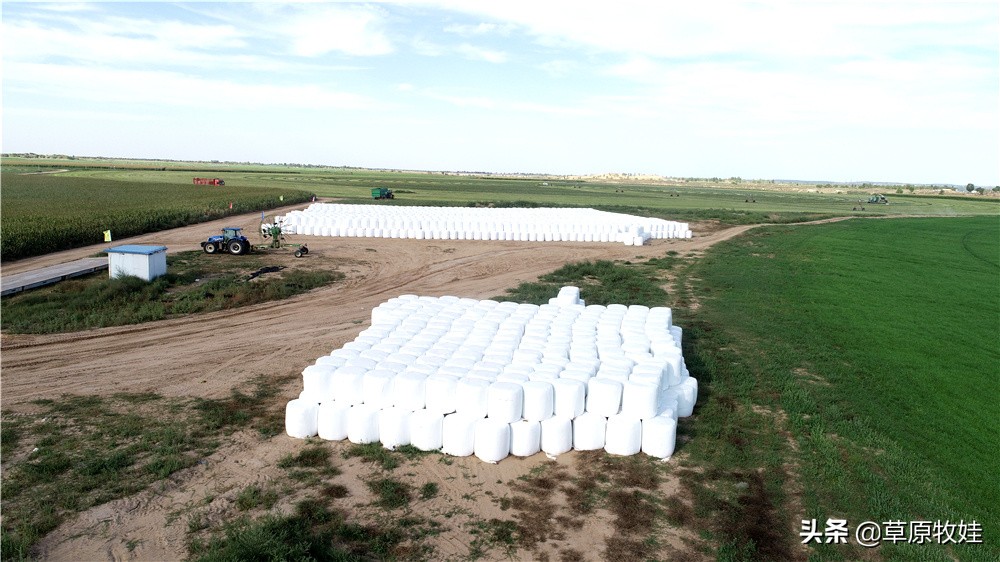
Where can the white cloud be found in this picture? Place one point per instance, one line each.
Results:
(468, 30)
(480, 102)
(426, 47)
(314, 30)
(153, 88)
(559, 67)
(478, 53)
(116, 40)
(795, 29)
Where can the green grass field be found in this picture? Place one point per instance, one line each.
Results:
(875, 345)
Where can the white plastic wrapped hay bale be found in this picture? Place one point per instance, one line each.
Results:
(670, 400)
(394, 427)
(331, 361)
(332, 421)
(604, 396)
(525, 438)
(659, 436)
(409, 390)
(376, 388)
(301, 418)
(440, 393)
(427, 430)
(459, 434)
(492, 440)
(505, 402)
(361, 362)
(362, 424)
(589, 431)
(539, 400)
(674, 373)
(623, 435)
(640, 400)
(687, 396)
(348, 384)
(557, 435)
(472, 397)
(317, 383)
(570, 397)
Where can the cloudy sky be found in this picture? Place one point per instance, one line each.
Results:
(843, 91)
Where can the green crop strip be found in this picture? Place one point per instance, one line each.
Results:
(46, 213)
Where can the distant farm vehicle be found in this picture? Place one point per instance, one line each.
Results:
(208, 181)
(878, 199)
(231, 240)
(382, 193)
(275, 232)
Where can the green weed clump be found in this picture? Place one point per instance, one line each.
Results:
(602, 282)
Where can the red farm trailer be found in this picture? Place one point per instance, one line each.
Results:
(208, 181)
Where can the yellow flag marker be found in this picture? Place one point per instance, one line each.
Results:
(107, 236)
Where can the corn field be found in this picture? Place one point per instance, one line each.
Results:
(45, 213)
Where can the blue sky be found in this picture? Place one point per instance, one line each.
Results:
(843, 91)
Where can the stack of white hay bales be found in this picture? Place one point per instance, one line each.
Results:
(499, 378)
(456, 223)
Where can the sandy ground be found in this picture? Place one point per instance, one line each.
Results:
(209, 356)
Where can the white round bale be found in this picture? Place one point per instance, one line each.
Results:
(427, 430)
(492, 440)
(362, 424)
(301, 418)
(570, 396)
(472, 397)
(659, 436)
(557, 435)
(394, 427)
(539, 400)
(604, 396)
(459, 434)
(623, 435)
(332, 421)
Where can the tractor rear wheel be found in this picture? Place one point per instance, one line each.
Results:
(210, 248)
(304, 250)
(236, 247)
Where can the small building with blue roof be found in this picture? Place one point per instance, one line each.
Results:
(144, 262)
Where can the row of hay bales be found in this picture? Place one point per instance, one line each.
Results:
(457, 223)
(491, 378)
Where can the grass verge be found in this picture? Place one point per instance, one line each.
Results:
(196, 283)
(601, 282)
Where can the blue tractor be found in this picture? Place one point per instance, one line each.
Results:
(231, 240)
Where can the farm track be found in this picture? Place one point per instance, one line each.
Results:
(210, 354)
